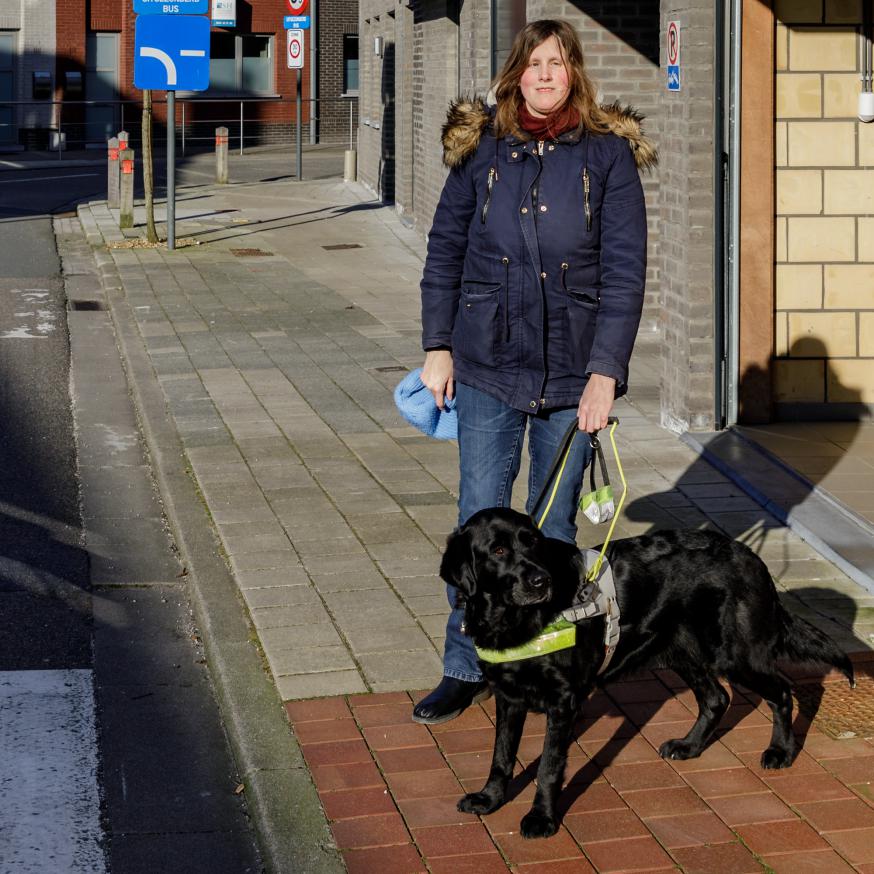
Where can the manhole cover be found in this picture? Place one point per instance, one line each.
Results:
(841, 711)
(85, 305)
(336, 246)
(250, 253)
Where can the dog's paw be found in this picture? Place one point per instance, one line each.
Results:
(538, 825)
(679, 749)
(776, 757)
(478, 802)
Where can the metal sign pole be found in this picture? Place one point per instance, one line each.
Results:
(171, 170)
(298, 130)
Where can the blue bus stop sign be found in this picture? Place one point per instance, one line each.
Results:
(171, 53)
(171, 7)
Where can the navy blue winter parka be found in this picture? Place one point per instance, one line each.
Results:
(537, 258)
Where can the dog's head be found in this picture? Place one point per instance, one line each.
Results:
(498, 558)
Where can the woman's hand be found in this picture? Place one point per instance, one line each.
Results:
(596, 402)
(437, 375)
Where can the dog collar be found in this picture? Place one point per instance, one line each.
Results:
(594, 598)
(561, 634)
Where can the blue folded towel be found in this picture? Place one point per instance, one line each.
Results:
(416, 404)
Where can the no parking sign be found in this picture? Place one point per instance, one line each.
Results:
(294, 48)
(673, 55)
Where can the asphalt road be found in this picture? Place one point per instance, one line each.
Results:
(113, 756)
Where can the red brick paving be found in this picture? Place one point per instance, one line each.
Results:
(390, 788)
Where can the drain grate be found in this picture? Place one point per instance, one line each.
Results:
(391, 368)
(86, 305)
(334, 247)
(250, 253)
(841, 712)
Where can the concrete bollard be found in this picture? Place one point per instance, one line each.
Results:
(221, 156)
(350, 165)
(123, 140)
(112, 173)
(126, 193)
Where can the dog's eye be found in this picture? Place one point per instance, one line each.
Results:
(498, 550)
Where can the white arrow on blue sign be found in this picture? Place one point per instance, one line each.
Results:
(171, 53)
(171, 7)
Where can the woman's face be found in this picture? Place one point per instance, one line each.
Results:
(544, 83)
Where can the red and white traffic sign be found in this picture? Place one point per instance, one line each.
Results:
(297, 7)
(294, 48)
(673, 43)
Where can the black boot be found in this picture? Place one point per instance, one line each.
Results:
(449, 699)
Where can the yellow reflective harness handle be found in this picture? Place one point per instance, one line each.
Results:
(596, 567)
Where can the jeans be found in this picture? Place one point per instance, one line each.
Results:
(490, 436)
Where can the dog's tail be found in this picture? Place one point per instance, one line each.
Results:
(803, 642)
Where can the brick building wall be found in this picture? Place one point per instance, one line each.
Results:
(686, 215)
(824, 319)
(337, 18)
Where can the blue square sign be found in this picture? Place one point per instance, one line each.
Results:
(171, 53)
(673, 77)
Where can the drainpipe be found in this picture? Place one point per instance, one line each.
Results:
(732, 310)
(866, 96)
(719, 218)
(315, 110)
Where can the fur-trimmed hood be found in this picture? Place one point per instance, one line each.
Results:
(468, 119)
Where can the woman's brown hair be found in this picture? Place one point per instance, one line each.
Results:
(581, 89)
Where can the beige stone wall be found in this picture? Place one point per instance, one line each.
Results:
(825, 208)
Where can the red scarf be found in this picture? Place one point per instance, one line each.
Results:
(563, 119)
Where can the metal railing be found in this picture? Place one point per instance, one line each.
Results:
(332, 121)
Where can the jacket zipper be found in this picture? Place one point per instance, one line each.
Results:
(506, 262)
(564, 269)
(586, 198)
(493, 175)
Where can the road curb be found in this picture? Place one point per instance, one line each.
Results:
(292, 831)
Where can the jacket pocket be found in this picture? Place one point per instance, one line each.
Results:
(475, 335)
(582, 313)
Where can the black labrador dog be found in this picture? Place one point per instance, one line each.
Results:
(695, 602)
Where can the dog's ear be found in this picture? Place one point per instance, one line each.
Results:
(456, 568)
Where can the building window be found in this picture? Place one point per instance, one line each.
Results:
(7, 56)
(101, 83)
(350, 63)
(508, 18)
(240, 63)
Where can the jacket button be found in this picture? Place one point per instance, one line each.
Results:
(514, 154)
(533, 405)
(543, 207)
(551, 148)
(524, 209)
(543, 276)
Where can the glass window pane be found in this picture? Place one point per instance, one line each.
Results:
(257, 64)
(7, 48)
(5, 86)
(350, 62)
(99, 86)
(100, 124)
(256, 46)
(223, 74)
(106, 53)
(7, 130)
(221, 46)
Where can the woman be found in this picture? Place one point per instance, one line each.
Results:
(532, 289)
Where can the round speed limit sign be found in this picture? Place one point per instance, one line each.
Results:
(297, 7)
